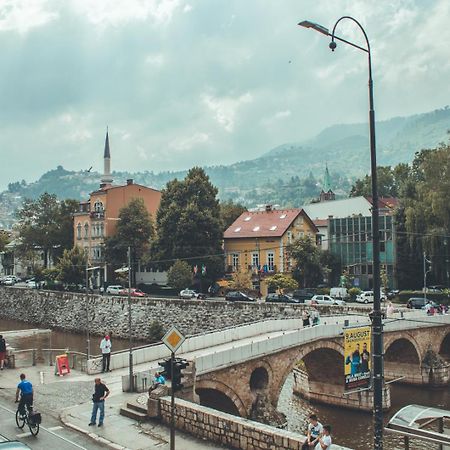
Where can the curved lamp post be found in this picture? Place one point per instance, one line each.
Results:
(377, 323)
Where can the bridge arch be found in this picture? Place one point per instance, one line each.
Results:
(402, 349)
(220, 396)
(444, 349)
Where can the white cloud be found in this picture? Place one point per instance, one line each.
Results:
(187, 143)
(156, 60)
(118, 12)
(24, 15)
(225, 108)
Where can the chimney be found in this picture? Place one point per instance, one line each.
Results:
(268, 208)
(129, 181)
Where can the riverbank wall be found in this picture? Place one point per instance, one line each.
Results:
(107, 314)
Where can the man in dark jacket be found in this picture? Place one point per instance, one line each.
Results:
(98, 397)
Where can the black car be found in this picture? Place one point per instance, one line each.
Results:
(419, 303)
(281, 298)
(237, 296)
(303, 294)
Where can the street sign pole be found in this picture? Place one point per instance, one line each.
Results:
(172, 406)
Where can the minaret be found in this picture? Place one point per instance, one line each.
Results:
(106, 178)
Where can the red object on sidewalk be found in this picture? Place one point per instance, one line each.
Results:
(62, 365)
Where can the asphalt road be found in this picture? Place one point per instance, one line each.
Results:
(52, 435)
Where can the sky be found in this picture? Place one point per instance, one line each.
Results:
(202, 82)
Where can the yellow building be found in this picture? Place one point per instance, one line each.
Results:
(98, 217)
(257, 242)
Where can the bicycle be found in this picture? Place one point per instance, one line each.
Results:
(32, 420)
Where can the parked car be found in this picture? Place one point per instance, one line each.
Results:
(281, 298)
(33, 284)
(237, 296)
(189, 293)
(339, 292)
(9, 280)
(13, 445)
(393, 293)
(324, 300)
(367, 297)
(419, 303)
(114, 289)
(134, 292)
(303, 294)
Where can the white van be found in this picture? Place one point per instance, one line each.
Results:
(339, 293)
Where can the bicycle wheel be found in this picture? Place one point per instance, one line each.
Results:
(34, 429)
(19, 420)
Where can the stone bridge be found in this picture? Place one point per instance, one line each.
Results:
(417, 350)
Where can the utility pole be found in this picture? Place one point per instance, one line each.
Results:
(130, 363)
(172, 404)
(425, 272)
(88, 340)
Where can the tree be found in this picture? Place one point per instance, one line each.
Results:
(307, 269)
(179, 275)
(280, 281)
(71, 266)
(4, 240)
(241, 281)
(46, 224)
(135, 230)
(229, 212)
(189, 224)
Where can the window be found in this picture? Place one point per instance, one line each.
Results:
(382, 246)
(79, 231)
(98, 206)
(255, 259)
(270, 261)
(289, 236)
(235, 261)
(102, 229)
(86, 230)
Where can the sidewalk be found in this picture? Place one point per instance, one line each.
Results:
(68, 398)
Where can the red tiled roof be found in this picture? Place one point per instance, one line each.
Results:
(263, 223)
(321, 222)
(386, 202)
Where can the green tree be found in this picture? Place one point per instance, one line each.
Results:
(189, 224)
(307, 269)
(241, 281)
(135, 230)
(46, 224)
(281, 281)
(179, 275)
(229, 212)
(4, 240)
(71, 266)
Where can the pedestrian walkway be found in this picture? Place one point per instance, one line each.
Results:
(69, 398)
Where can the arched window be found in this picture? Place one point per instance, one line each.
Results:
(86, 230)
(79, 231)
(102, 229)
(98, 206)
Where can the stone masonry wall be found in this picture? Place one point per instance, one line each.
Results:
(229, 430)
(67, 311)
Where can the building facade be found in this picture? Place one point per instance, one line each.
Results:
(257, 242)
(98, 217)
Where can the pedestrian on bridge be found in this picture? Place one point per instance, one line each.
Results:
(2, 352)
(105, 347)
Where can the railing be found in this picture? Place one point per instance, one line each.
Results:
(33, 356)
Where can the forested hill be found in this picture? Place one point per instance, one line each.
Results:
(289, 175)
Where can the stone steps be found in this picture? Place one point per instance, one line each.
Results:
(133, 414)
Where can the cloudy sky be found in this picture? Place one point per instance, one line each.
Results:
(186, 82)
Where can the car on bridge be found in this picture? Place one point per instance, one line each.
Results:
(133, 292)
(324, 300)
(238, 296)
(282, 298)
(114, 289)
(189, 293)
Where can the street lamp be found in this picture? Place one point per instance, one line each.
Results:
(377, 323)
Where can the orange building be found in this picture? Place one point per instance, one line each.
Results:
(97, 218)
(257, 242)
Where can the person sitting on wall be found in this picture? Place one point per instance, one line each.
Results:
(158, 380)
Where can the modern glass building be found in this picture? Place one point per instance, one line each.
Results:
(350, 240)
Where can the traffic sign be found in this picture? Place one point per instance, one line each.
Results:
(173, 339)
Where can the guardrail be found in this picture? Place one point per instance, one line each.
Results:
(33, 356)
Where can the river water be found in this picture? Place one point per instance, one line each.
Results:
(350, 428)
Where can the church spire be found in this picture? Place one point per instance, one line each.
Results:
(106, 178)
(326, 180)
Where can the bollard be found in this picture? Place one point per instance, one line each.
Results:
(41, 377)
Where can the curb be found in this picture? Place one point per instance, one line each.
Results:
(95, 437)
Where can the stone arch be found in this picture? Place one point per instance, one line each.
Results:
(259, 379)
(225, 391)
(403, 349)
(329, 346)
(444, 348)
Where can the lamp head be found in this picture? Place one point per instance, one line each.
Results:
(333, 45)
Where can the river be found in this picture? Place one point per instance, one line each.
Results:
(350, 428)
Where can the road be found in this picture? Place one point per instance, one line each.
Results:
(52, 435)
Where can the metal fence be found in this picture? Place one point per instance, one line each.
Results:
(33, 356)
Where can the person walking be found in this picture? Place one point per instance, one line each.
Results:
(390, 310)
(325, 441)
(105, 347)
(2, 352)
(25, 390)
(98, 398)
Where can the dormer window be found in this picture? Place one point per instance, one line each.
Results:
(256, 228)
(248, 218)
(236, 230)
(283, 216)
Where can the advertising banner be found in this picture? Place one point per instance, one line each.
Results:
(357, 359)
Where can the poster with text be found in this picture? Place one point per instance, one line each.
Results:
(357, 357)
